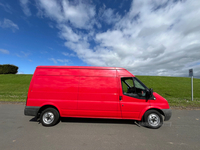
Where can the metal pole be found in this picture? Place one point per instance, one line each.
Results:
(192, 87)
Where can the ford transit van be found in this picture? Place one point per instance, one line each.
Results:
(93, 92)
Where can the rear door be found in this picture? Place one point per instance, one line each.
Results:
(57, 87)
(132, 97)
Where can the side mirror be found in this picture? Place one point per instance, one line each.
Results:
(149, 93)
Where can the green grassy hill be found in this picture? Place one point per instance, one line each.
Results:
(14, 88)
(177, 90)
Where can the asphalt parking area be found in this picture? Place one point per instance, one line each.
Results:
(17, 131)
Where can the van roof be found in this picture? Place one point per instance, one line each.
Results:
(83, 67)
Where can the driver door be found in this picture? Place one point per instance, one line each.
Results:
(132, 98)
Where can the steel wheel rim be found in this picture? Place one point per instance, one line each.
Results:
(48, 118)
(154, 120)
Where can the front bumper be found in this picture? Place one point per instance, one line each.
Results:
(31, 110)
(167, 113)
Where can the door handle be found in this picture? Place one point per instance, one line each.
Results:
(120, 98)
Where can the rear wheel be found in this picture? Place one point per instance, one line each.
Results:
(49, 117)
(153, 119)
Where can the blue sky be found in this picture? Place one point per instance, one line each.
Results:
(151, 37)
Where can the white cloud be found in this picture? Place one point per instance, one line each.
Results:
(6, 7)
(156, 37)
(76, 13)
(58, 60)
(50, 48)
(68, 34)
(51, 9)
(23, 54)
(24, 5)
(62, 60)
(51, 25)
(4, 51)
(9, 24)
(68, 54)
(20, 72)
(151, 42)
(54, 60)
(79, 13)
(108, 15)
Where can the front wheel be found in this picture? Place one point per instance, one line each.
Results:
(49, 117)
(153, 119)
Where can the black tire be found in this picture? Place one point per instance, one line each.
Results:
(142, 122)
(49, 117)
(153, 119)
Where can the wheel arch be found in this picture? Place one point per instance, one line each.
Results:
(157, 109)
(47, 106)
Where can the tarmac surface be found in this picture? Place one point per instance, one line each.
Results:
(19, 132)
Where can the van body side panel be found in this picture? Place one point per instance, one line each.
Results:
(98, 94)
(57, 72)
(50, 88)
(97, 73)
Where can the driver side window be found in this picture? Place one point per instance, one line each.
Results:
(131, 87)
(127, 84)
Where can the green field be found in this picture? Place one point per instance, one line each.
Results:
(177, 90)
(14, 88)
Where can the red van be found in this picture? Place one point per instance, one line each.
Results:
(93, 92)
